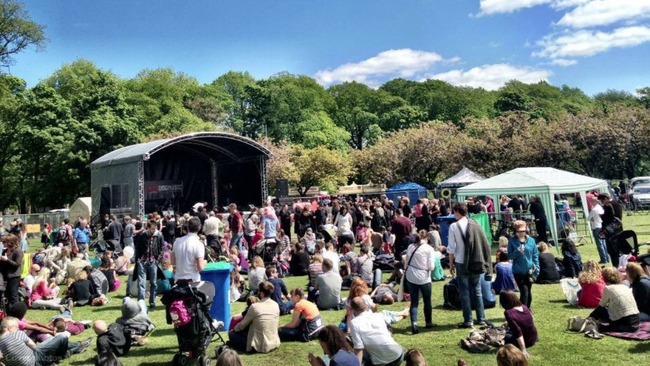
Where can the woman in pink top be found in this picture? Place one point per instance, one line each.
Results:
(591, 284)
(45, 291)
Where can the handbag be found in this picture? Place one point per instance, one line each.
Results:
(405, 281)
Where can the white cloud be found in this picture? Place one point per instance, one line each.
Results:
(604, 12)
(563, 62)
(492, 77)
(508, 6)
(405, 63)
(584, 43)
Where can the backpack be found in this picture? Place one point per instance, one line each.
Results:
(451, 295)
(179, 313)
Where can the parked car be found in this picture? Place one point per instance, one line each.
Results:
(642, 196)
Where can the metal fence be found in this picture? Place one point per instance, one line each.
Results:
(34, 222)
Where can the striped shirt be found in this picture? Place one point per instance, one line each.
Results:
(15, 349)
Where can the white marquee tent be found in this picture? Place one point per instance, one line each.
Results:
(543, 182)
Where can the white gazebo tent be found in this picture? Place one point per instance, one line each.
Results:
(543, 182)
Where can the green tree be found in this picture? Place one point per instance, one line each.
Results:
(352, 112)
(423, 154)
(644, 96)
(236, 85)
(45, 149)
(17, 31)
(322, 167)
(12, 91)
(158, 99)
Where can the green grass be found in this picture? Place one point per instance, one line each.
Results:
(440, 346)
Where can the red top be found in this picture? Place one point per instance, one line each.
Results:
(591, 294)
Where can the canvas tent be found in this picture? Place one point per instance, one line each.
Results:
(411, 190)
(80, 207)
(543, 182)
(461, 179)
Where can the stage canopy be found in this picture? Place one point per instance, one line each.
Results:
(173, 174)
(542, 182)
(460, 179)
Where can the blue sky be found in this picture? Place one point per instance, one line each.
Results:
(591, 44)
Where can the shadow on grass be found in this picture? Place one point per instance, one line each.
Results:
(135, 353)
(640, 348)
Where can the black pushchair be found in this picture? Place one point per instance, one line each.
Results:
(195, 336)
(266, 248)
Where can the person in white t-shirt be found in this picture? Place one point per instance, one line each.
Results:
(189, 253)
(332, 255)
(372, 342)
(596, 224)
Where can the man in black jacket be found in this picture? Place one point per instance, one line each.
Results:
(148, 248)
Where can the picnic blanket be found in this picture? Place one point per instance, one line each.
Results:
(642, 334)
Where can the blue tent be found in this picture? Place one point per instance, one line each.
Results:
(411, 190)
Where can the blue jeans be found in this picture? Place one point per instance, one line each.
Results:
(235, 241)
(470, 294)
(291, 334)
(237, 340)
(601, 245)
(51, 351)
(145, 269)
(414, 292)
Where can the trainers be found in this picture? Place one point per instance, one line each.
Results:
(84, 344)
(486, 323)
(466, 325)
(430, 325)
(414, 329)
(87, 323)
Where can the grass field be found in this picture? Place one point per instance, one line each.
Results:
(440, 346)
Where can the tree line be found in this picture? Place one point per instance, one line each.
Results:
(404, 130)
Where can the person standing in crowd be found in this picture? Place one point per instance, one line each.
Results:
(420, 262)
(402, 228)
(11, 267)
(212, 228)
(609, 218)
(114, 231)
(129, 232)
(524, 254)
(188, 254)
(469, 257)
(285, 220)
(596, 224)
(148, 248)
(537, 209)
(236, 226)
(81, 237)
(270, 223)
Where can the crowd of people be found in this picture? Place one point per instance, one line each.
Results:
(337, 245)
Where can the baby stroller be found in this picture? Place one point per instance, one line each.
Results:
(195, 334)
(265, 248)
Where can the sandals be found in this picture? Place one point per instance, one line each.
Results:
(594, 334)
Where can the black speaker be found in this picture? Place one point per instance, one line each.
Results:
(282, 187)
